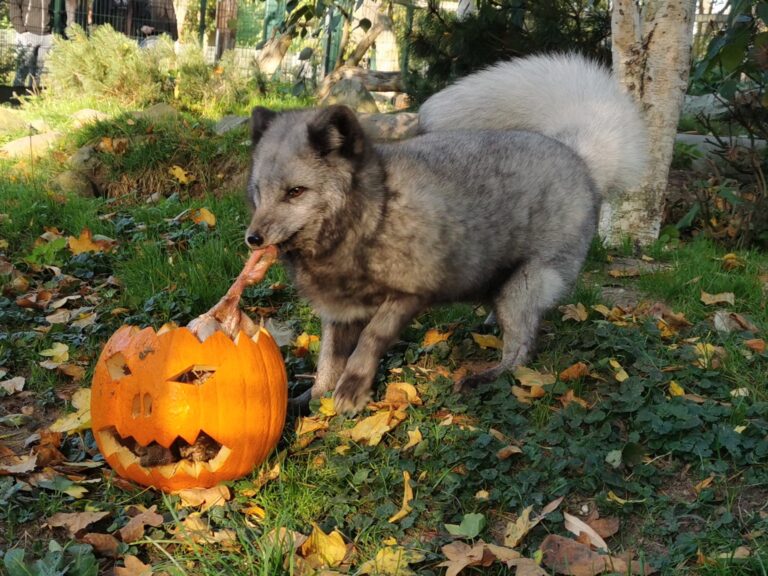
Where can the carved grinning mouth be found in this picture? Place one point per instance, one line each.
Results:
(204, 454)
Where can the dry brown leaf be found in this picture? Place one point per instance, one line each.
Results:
(75, 522)
(529, 377)
(103, 544)
(517, 530)
(570, 396)
(756, 345)
(284, 539)
(18, 464)
(205, 498)
(134, 529)
(371, 430)
(508, 451)
(725, 321)
(720, 298)
(38, 299)
(570, 557)
(577, 526)
(576, 312)
(461, 555)
(392, 560)
(13, 385)
(606, 527)
(574, 372)
(406, 508)
(133, 567)
(311, 424)
(699, 487)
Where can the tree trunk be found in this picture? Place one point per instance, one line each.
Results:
(271, 56)
(382, 23)
(226, 23)
(373, 80)
(651, 58)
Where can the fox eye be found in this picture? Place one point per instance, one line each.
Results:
(296, 191)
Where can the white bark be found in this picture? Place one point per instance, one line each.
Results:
(651, 56)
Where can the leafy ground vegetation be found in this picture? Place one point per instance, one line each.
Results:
(635, 442)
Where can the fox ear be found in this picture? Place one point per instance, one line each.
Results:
(336, 129)
(260, 119)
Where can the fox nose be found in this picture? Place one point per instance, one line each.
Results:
(254, 240)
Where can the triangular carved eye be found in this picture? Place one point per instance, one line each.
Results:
(195, 374)
(117, 366)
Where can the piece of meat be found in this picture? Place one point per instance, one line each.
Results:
(226, 315)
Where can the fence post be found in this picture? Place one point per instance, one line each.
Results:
(201, 26)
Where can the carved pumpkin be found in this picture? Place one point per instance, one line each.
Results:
(172, 412)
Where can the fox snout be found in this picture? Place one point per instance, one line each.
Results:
(254, 239)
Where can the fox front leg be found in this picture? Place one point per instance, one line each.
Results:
(356, 384)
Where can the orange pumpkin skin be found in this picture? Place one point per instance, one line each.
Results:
(137, 399)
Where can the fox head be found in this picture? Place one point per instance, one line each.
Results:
(302, 176)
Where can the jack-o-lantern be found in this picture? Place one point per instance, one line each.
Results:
(172, 412)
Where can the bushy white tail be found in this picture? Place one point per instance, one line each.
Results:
(564, 96)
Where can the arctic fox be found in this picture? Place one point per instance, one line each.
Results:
(497, 201)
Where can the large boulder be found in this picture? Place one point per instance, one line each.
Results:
(87, 116)
(73, 182)
(229, 123)
(30, 146)
(351, 92)
(158, 113)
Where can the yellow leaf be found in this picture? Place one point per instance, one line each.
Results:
(327, 408)
(433, 336)
(701, 486)
(739, 429)
(392, 560)
(618, 372)
(205, 498)
(309, 424)
(487, 341)
(305, 343)
(731, 261)
(740, 392)
(255, 511)
(574, 372)
(405, 509)
(666, 330)
(675, 389)
(517, 530)
(371, 430)
(86, 242)
(482, 495)
(329, 549)
(398, 395)
(708, 354)
(621, 501)
(58, 353)
(576, 312)
(203, 215)
(414, 438)
(530, 378)
(721, 298)
(78, 420)
(182, 176)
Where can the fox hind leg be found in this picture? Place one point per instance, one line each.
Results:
(519, 306)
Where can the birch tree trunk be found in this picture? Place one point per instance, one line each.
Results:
(651, 42)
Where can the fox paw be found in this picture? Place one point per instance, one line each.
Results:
(351, 395)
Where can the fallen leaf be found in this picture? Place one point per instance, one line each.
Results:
(182, 176)
(205, 498)
(310, 424)
(740, 553)
(725, 321)
(203, 215)
(755, 344)
(304, 344)
(606, 527)
(618, 372)
(103, 544)
(566, 556)
(525, 395)
(134, 529)
(284, 539)
(675, 389)
(75, 522)
(58, 353)
(529, 377)
(86, 242)
(621, 501)
(577, 527)
(327, 407)
(482, 495)
(517, 530)
(194, 530)
(434, 336)
(133, 567)
(508, 451)
(461, 555)
(398, 395)
(414, 439)
(38, 299)
(471, 526)
(330, 549)
(740, 392)
(18, 464)
(371, 430)
(406, 508)
(74, 371)
(574, 372)
(486, 341)
(576, 312)
(699, 487)
(570, 396)
(255, 511)
(78, 420)
(708, 355)
(721, 298)
(12, 385)
(392, 561)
